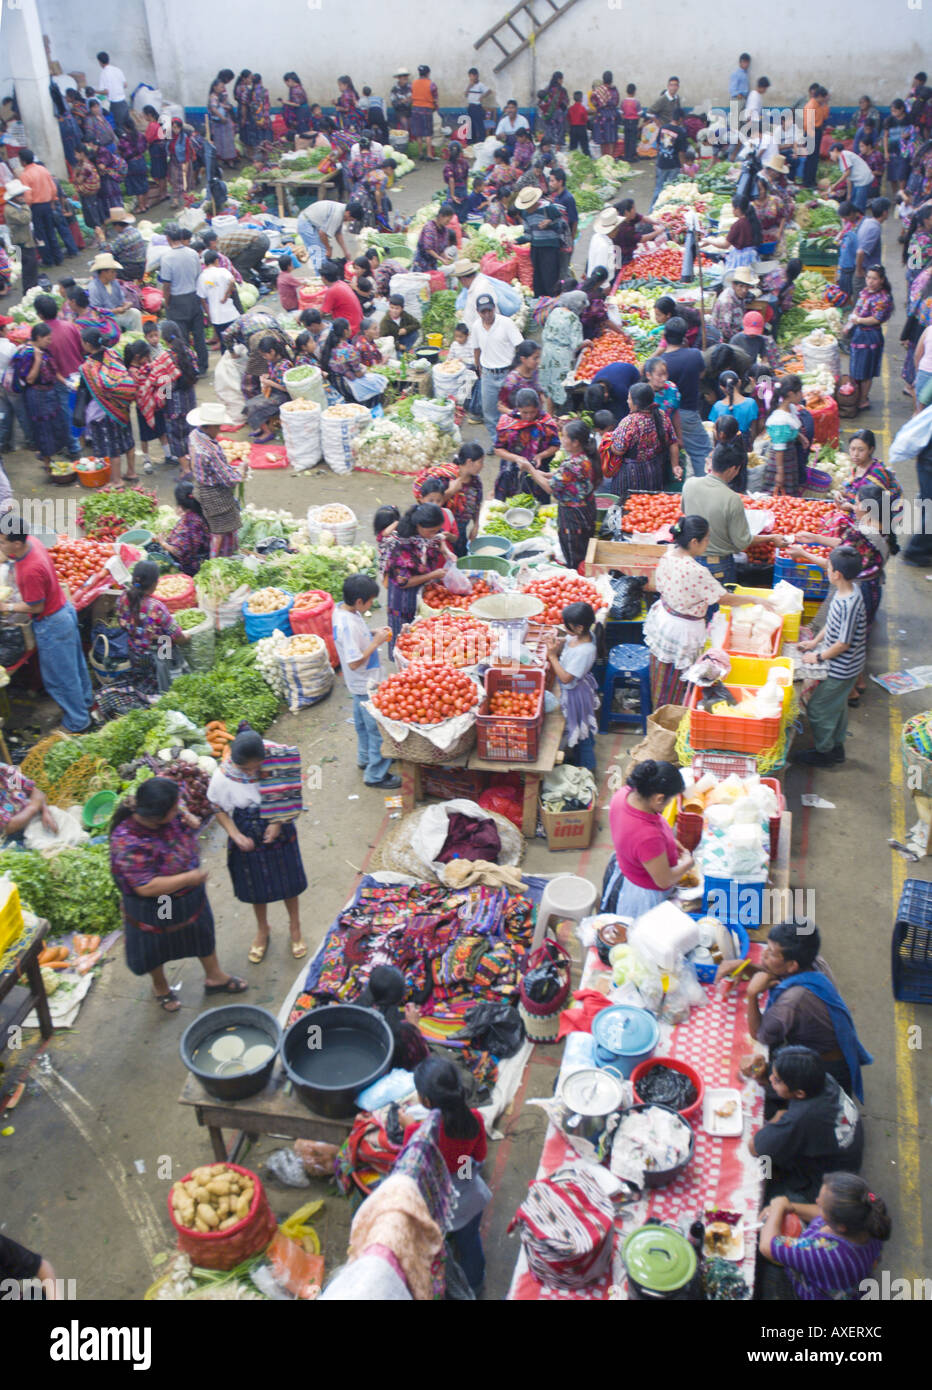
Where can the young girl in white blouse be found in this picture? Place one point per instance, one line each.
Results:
(578, 690)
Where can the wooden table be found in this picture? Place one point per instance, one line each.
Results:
(276, 1110)
(316, 181)
(15, 1000)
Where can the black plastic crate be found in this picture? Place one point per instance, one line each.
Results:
(911, 957)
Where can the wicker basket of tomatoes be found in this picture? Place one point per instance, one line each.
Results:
(557, 591)
(436, 597)
(427, 714)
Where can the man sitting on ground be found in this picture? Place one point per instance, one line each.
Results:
(816, 1131)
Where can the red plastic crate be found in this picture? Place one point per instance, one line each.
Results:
(774, 646)
(690, 824)
(506, 737)
(728, 732)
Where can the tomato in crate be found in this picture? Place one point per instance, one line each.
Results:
(511, 716)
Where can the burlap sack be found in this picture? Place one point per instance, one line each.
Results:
(659, 742)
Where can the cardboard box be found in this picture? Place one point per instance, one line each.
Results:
(626, 557)
(568, 829)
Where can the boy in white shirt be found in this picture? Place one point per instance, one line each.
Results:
(358, 650)
(215, 286)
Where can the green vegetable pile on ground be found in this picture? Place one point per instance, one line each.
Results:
(228, 693)
(440, 315)
(73, 891)
(127, 504)
(219, 578)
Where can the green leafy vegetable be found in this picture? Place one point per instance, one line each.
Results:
(74, 890)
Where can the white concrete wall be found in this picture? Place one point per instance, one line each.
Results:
(850, 45)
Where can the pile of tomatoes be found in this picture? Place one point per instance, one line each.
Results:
(559, 590)
(665, 264)
(449, 640)
(649, 511)
(426, 695)
(792, 514)
(76, 561)
(510, 702)
(761, 552)
(602, 351)
(437, 595)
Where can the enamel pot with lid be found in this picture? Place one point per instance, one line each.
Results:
(661, 1265)
(591, 1095)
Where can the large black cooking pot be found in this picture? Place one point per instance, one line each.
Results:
(332, 1053)
(241, 1084)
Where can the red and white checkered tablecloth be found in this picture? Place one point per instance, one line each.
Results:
(722, 1173)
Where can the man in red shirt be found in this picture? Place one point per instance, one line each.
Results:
(339, 301)
(66, 356)
(42, 197)
(54, 623)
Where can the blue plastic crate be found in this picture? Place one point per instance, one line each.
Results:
(737, 902)
(810, 578)
(911, 955)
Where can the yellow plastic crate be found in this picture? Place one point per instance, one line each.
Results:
(811, 608)
(753, 670)
(791, 621)
(11, 915)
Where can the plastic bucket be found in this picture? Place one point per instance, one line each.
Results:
(434, 340)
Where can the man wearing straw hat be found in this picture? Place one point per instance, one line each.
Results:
(602, 249)
(19, 221)
(732, 304)
(545, 228)
(104, 291)
(475, 283)
(214, 477)
(401, 98)
(128, 245)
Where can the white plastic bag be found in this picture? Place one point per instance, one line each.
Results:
(301, 433)
(338, 435)
(446, 381)
(434, 826)
(68, 832)
(228, 611)
(456, 580)
(414, 287)
(821, 351)
(439, 413)
(228, 386)
(912, 438)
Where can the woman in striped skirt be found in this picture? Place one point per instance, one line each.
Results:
(574, 476)
(263, 855)
(642, 448)
(155, 863)
(182, 399)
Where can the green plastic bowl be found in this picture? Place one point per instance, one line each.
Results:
(138, 536)
(484, 562)
(98, 809)
(497, 545)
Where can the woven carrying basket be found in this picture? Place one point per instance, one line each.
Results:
(542, 1021)
(226, 1249)
(418, 749)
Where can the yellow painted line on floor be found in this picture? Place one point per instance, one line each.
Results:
(904, 1015)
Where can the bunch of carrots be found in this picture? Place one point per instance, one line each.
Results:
(218, 738)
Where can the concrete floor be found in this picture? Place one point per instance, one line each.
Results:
(98, 1139)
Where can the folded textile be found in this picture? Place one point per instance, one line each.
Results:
(565, 784)
(462, 873)
(396, 1216)
(470, 838)
(579, 1019)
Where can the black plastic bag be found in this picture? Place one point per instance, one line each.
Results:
(543, 982)
(628, 591)
(612, 528)
(664, 1086)
(12, 645)
(494, 1027)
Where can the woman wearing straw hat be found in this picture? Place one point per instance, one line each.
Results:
(602, 250)
(214, 477)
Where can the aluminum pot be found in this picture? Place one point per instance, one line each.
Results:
(590, 1095)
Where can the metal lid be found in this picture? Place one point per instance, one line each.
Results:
(591, 1091)
(659, 1258)
(625, 1030)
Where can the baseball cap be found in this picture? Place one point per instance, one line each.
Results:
(485, 301)
(753, 323)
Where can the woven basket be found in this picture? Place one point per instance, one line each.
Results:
(542, 1021)
(914, 761)
(418, 749)
(395, 855)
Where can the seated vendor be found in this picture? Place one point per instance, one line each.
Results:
(20, 802)
(818, 1129)
(803, 1007)
(841, 1244)
(384, 993)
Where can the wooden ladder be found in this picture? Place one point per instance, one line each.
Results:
(507, 23)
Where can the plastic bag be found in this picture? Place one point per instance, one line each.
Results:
(69, 831)
(318, 1158)
(228, 386)
(543, 982)
(301, 434)
(288, 1168)
(456, 580)
(495, 1027)
(628, 593)
(505, 801)
(912, 438)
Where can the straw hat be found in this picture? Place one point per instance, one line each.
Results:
(527, 198)
(776, 162)
(208, 413)
(120, 215)
(744, 275)
(402, 72)
(607, 221)
(14, 188)
(464, 267)
(104, 261)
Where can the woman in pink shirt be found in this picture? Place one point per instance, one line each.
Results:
(649, 860)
